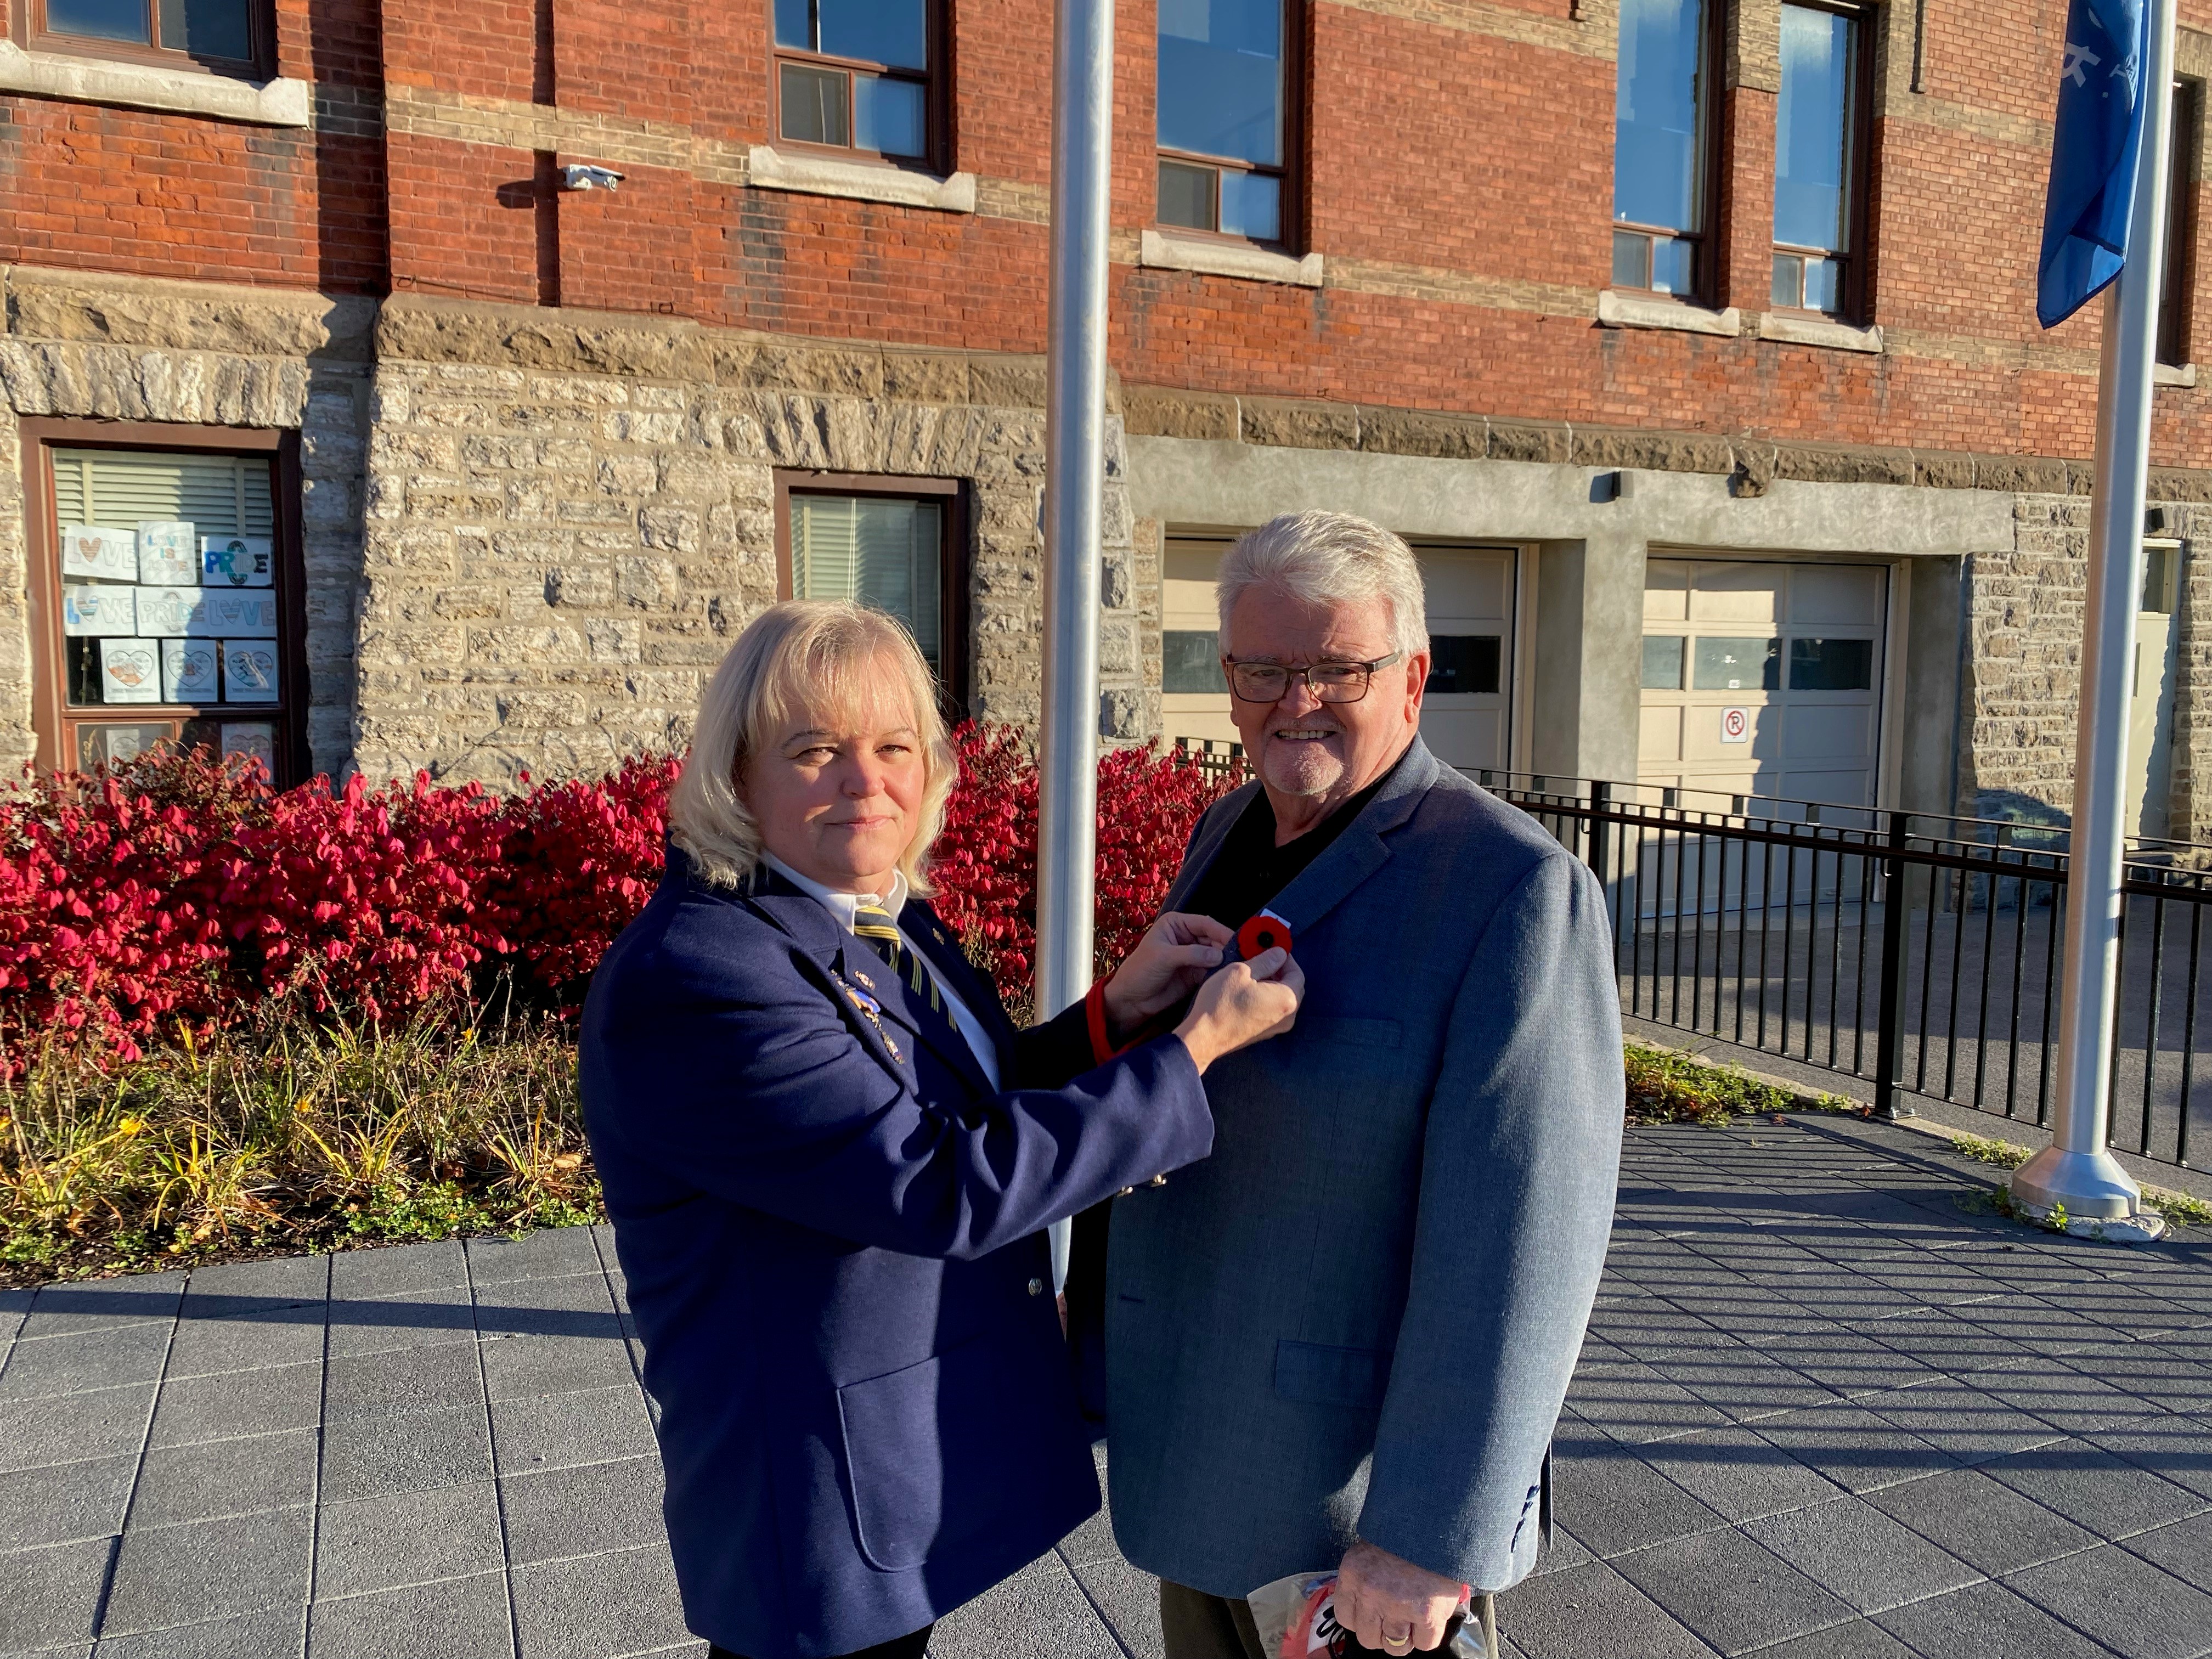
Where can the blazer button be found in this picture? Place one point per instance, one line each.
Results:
(1125, 1192)
(1037, 1287)
(1158, 1180)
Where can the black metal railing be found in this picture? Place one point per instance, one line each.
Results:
(1917, 952)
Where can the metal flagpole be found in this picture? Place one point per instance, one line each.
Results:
(2077, 1169)
(1075, 421)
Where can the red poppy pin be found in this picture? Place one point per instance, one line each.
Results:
(1263, 933)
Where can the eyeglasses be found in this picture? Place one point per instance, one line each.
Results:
(1330, 682)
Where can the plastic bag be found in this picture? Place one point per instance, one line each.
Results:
(1297, 1619)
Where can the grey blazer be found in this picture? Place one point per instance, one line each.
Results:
(1359, 1317)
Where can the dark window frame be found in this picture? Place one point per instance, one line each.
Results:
(936, 81)
(28, 26)
(1853, 293)
(54, 722)
(954, 599)
(1705, 240)
(2178, 280)
(1297, 20)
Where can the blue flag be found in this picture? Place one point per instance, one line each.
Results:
(2094, 154)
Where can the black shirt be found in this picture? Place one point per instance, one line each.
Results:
(1250, 870)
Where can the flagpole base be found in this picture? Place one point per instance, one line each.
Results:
(2099, 1199)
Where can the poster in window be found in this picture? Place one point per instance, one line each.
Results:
(165, 554)
(172, 613)
(131, 670)
(189, 671)
(237, 562)
(252, 739)
(242, 614)
(112, 745)
(110, 555)
(90, 611)
(249, 670)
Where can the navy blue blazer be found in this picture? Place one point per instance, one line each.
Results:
(830, 1225)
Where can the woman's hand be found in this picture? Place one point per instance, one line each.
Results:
(1170, 961)
(1246, 1002)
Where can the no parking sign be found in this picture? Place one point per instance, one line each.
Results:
(1736, 725)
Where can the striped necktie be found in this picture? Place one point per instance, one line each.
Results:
(873, 923)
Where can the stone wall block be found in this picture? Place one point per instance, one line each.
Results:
(1838, 464)
(679, 529)
(1548, 441)
(2024, 473)
(1120, 715)
(1161, 412)
(1115, 584)
(1117, 649)
(1419, 432)
(796, 430)
(1007, 382)
(614, 639)
(1299, 425)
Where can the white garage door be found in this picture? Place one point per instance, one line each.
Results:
(1466, 709)
(1763, 677)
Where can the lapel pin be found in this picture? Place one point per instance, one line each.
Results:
(1263, 933)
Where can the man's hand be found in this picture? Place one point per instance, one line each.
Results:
(1170, 961)
(1392, 1605)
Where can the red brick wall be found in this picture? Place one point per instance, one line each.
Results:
(1486, 161)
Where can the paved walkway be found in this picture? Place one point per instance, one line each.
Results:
(1825, 1413)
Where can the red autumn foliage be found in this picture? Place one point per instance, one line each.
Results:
(172, 893)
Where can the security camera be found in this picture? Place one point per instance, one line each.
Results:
(580, 175)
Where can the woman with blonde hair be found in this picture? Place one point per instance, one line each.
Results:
(830, 1158)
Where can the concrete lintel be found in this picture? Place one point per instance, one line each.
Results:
(1182, 480)
(278, 103)
(2173, 374)
(768, 168)
(1618, 310)
(1227, 259)
(1818, 332)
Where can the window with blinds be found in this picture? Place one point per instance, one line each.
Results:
(227, 494)
(875, 551)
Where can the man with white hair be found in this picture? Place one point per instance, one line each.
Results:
(1343, 1341)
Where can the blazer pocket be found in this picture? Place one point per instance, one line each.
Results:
(940, 1453)
(1312, 1374)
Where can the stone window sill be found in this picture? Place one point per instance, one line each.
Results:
(278, 103)
(2173, 374)
(1255, 265)
(1819, 331)
(1618, 310)
(862, 181)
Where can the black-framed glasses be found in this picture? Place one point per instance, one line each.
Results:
(1330, 682)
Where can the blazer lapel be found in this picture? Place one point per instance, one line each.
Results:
(1360, 850)
(1213, 831)
(943, 949)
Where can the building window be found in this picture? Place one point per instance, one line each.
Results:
(895, 545)
(233, 37)
(1817, 141)
(2177, 282)
(854, 75)
(168, 586)
(1662, 146)
(1224, 130)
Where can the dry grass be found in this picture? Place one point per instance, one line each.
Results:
(290, 1136)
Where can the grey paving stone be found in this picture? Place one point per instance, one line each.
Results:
(14, 1304)
(590, 1606)
(276, 1633)
(1854, 1447)
(1957, 1417)
(1982, 1522)
(1041, 1612)
(408, 1538)
(64, 1503)
(515, 1367)
(409, 1451)
(1985, 1621)
(1737, 1474)
(52, 1594)
(1743, 1384)
(94, 1304)
(234, 1403)
(2096, 1488)
(208, 1569)
(2138, 1610)
(395, 1269)
(1613, 1501)
(457, 1618)
(97, 1425)
(2183, 1549)
(2178, 1448)
(559, 1431)
(549, 1253)
(2069, 1396)
(1735, 1594)
(2034, 1327)
(1862, 1556)
(2168, 1376)
(1859, 1639)
(1632, 1402)
(2133, 1311)
(225, 1477)
(575, 1305)
(1592, 1613)
(401, 1319)
(1848, 1363)
(44, 1366)
(1127, 1599)
(245, 1342)
(256, 1287)
(400, 1380)
(583, 1511)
